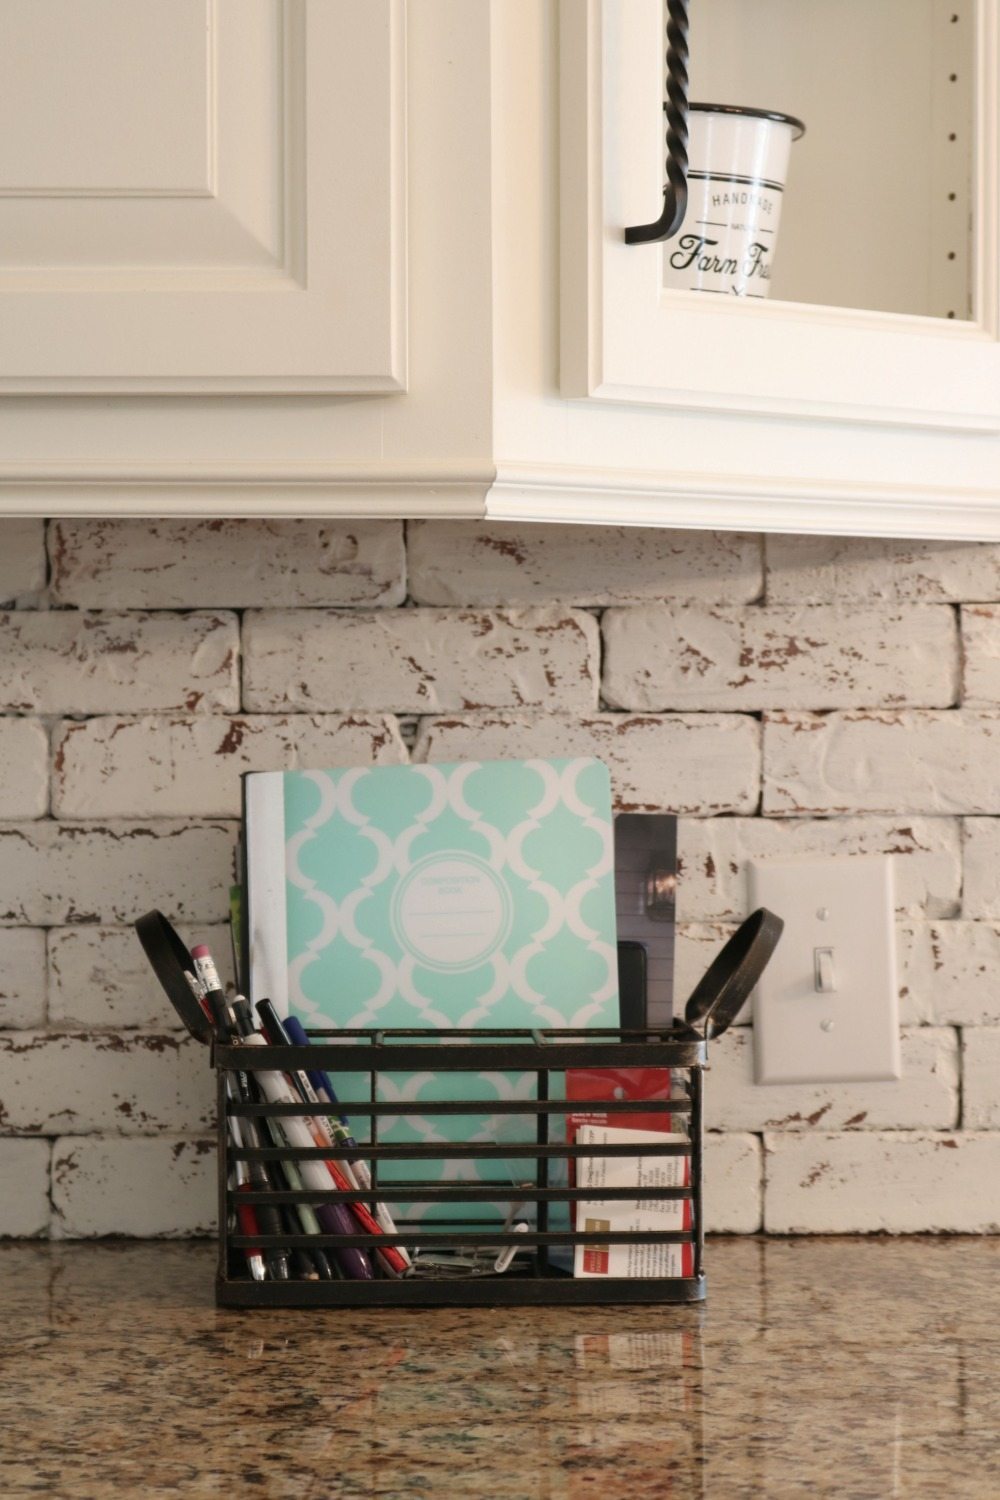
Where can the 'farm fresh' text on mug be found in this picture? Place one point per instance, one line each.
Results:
(736, 179)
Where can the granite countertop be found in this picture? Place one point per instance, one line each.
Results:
(852, 1367)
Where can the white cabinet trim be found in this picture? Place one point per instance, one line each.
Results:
(741, 503)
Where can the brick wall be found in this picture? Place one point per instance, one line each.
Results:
(144, 665)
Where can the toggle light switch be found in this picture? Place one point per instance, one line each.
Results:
(827, 1006)
(823, 959)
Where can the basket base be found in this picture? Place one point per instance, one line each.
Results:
(522, 1291)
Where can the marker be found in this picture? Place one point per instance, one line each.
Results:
(285, 1170)
(243, 1129)
(315, 1174)
(339, 1125)
(344, 1173)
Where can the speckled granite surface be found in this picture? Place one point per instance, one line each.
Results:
(855, 1368)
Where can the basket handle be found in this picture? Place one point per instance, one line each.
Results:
(170, 961)
(722, 991)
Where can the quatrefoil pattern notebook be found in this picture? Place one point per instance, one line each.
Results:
(472, 895)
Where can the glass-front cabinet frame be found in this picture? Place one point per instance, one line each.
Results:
(627, 339)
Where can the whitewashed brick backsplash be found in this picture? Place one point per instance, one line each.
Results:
(238, 564)
(684, 656)
(786, 696)
(419, 661)
(22, 559)
(687, 763)
(115, 661)
(24, 759)
(172, 766)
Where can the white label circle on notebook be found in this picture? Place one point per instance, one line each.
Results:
(451, 911)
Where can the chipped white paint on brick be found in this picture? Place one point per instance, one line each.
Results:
(24, 769)
(75, 1082)
(819, 657)
(54, 873)
(980, 654)
(421, 660)
(141, 1187)
(100, 976)
(981, 1077)
(825, 569)
(154, 564)
(177, 766)
(713, 855)
(899, 1182)
(74, 662)
(930, 761)
(24, 1187)
(22, 977)
(981, 858)
(460, 562)
(925, 1098)
(22, 558)
(950, 973)
(690, 763)
(733, 1184)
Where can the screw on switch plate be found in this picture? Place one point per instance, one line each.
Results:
(827, 1007)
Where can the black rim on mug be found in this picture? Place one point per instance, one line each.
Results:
(798, 128)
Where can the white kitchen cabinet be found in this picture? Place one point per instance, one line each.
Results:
(367, 257)
(202, 196)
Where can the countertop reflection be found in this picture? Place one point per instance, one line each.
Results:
(849, 1367)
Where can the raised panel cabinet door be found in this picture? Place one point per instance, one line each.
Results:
(628, 338)
(202, 195)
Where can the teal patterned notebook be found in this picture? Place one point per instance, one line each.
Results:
(473, 895)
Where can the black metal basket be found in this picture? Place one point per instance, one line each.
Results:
(546, 1054)
(465, 1206)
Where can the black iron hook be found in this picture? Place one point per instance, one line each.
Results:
(676, 110)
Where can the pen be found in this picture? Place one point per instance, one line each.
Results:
(320, 1082)
(303, 1268)
(248, 1224)
(344, 1173)
(287, 1170)
(316, 1175)
(306, 1214)
(245, 1134)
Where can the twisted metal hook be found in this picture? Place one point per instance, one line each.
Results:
(676, 110)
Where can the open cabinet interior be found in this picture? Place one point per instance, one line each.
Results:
(878, 210)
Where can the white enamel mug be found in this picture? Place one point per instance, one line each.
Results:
(738, 163)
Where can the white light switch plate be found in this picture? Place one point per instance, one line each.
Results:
(839, 928)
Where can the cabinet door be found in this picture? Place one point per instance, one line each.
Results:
(628, 338)
(202, 195)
